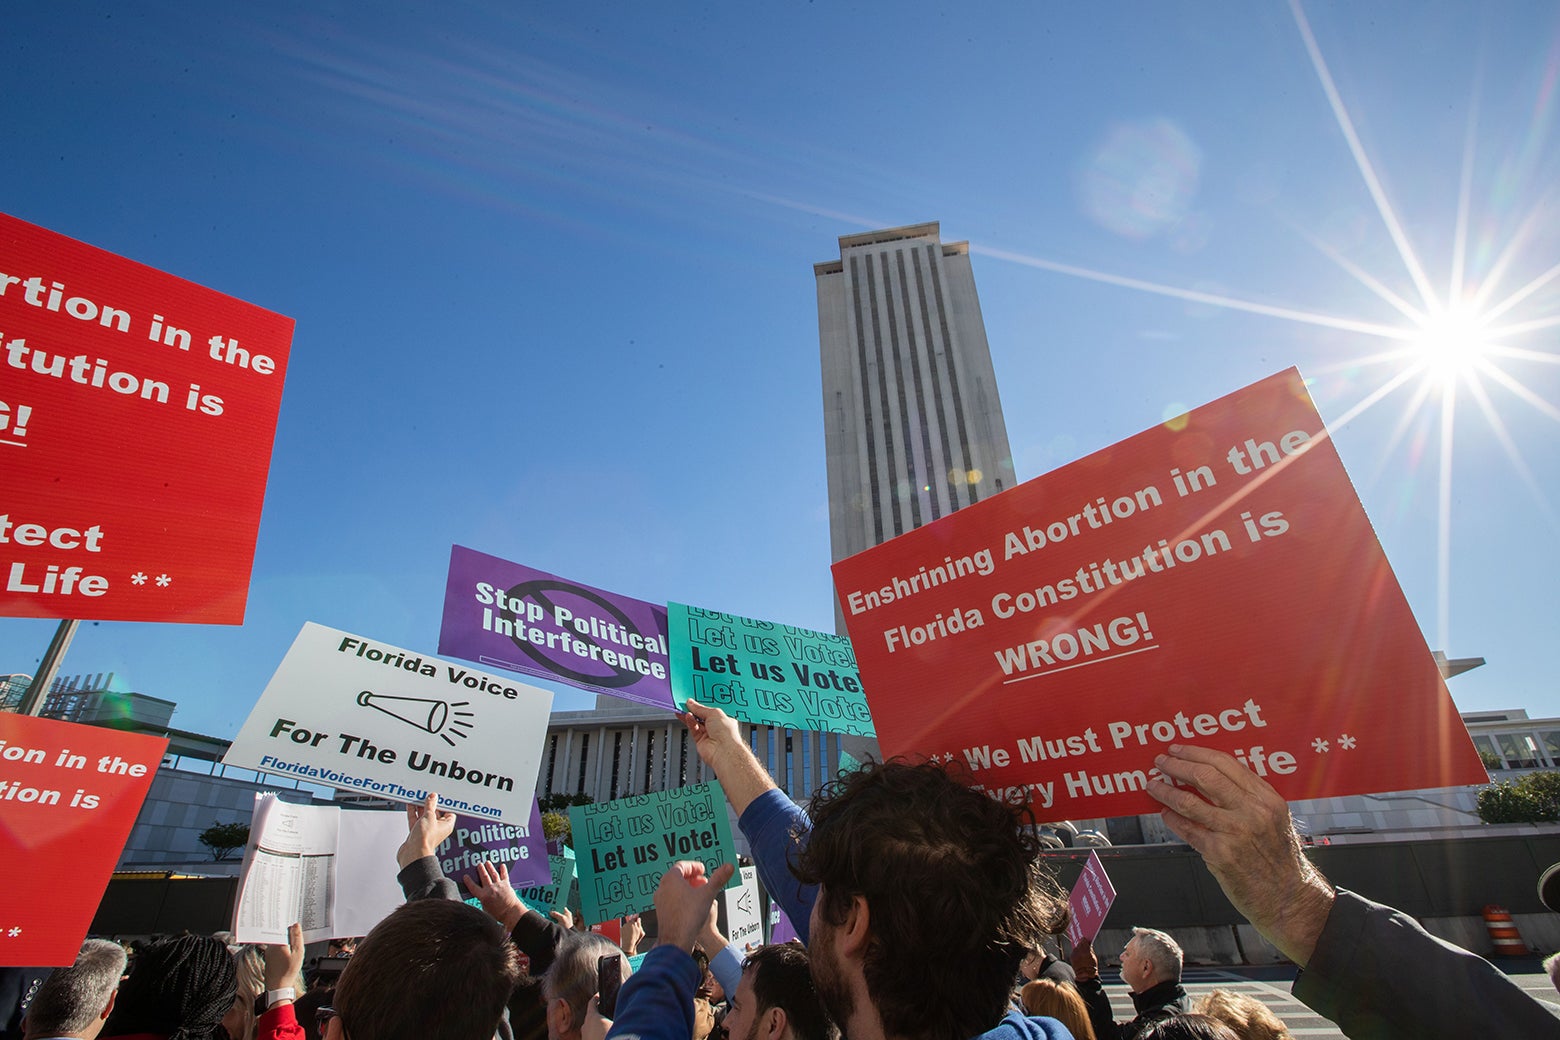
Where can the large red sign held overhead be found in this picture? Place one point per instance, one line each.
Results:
(69, 795)
(137, 412)
(1211, 581)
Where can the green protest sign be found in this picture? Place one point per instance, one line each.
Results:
(552, 896)
(625, 846)
(766, 673)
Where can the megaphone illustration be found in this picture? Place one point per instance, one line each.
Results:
(428, 714)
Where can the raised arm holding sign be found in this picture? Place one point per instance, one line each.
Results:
(1243, 829)
(719, 743)
(1369, 968)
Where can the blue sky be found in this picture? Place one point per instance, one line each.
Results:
(551, 271)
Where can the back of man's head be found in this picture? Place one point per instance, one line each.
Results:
(782, 978)
(1161, 951)
(73, 1001)
(954, 891)
(434, 967)
(571, 981)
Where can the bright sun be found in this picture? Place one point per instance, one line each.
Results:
(1451, 345)
(1456, 339)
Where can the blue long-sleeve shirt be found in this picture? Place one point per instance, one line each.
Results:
(776, 829)
(656, 1003)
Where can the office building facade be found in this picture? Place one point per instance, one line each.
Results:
(620, 748)
(913, 425)
(912, 421)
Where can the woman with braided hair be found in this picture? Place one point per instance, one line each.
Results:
(179, 989)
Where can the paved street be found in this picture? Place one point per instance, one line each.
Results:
(1271, 986)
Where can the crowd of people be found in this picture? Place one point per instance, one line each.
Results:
(923, 910)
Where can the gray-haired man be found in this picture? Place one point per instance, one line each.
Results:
(75, 1002)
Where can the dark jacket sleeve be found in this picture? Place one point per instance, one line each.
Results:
(656, 1002)
(1378, 974)
(776, 829)
(538, 937)
(423, 879)
(1101, 1017)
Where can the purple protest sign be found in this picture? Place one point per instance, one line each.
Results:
(507, 615)
(1090, 901)
(780, 927)
(522, 849)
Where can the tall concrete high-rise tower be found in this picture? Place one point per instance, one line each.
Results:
(912, 422)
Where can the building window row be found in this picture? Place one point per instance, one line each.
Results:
(1532, 749)
(799, 760)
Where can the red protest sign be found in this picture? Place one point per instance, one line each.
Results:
(69, 795)
(1213, 580)
(1090, 900)
(137, 412)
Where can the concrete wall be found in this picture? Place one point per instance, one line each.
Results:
(1445, 884)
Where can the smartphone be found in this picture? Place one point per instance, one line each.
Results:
(609, 978)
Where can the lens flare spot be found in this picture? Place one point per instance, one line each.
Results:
(1141, 179)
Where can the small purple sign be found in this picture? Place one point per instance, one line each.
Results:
(780, 927)
(506, 615)
(1090, 901)
(522, 850)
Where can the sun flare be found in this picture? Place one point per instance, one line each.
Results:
(1451, 345)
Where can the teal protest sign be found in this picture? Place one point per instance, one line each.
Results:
(848, 762)
(766, 673)
(554, 895)
(625, 846)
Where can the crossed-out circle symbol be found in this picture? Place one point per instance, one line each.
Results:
(537, 590)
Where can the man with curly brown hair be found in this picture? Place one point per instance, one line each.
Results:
(917, 896)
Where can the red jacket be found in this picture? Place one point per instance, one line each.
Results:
(279, 1023)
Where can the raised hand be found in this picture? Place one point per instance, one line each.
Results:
(1243, 830)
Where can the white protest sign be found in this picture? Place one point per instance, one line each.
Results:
(362, 716)
(743, 923)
